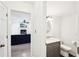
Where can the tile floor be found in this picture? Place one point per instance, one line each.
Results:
(22, 50)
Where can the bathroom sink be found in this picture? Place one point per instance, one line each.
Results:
(51, 40)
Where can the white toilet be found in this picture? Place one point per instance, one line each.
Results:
(65, 50)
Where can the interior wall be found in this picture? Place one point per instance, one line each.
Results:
(77, 11)
(20, 6)
(58, 9)
(17, 17)
(39, 30)
(56, 27)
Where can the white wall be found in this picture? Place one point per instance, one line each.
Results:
(56, 27)
(17, 17)
(39, 30)
(20, 6)
(58, 9)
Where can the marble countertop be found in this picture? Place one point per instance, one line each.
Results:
(51, 40)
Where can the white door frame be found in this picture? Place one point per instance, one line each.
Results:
(9, 30)
(6, 24)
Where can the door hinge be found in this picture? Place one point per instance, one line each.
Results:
(7, 14)
(7, 36)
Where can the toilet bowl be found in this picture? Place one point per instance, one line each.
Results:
(65, 50)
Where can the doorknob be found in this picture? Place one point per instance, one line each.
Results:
(2, 45)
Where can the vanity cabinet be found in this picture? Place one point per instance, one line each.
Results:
(53, 49)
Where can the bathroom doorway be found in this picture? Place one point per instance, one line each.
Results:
(20, 34)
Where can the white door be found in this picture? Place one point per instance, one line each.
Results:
(3, 30)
